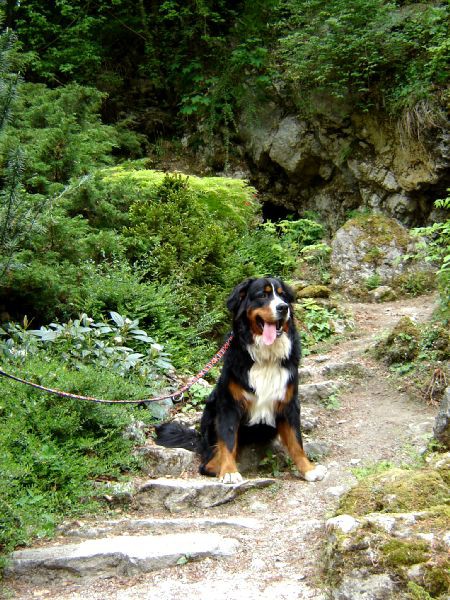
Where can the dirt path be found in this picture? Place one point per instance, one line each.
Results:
(280, 557)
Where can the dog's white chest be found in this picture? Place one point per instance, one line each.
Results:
(268, 379)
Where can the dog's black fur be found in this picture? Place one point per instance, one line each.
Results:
(257, 305)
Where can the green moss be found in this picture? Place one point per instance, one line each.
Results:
(314, 291)
(378, 230)
(396, 491)
(416, 592)
(405, 552)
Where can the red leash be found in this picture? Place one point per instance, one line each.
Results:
(216, 358)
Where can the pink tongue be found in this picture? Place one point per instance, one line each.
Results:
(269, 333)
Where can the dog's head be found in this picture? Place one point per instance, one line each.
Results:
(264, 305)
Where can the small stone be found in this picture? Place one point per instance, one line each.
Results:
(317, 450)
(258, 506)
(383, 293)
(337, 491)
(341, 369)
(167, 462)
(415, 573)
(316, 393)
(385, 522)
(344, 523)
(258, 564)
(135, 432)
(371, 587)
(321, 359)
(309, 424)
(355, 461)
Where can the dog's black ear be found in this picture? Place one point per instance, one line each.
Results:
(238, 295)
(289, 293)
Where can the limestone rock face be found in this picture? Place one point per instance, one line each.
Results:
(293, 145)
(332, 165)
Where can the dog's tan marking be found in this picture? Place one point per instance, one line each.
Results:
(213, 466)
(288, 395)
(265, 313)
(223, 461)
(279, 290)
(238, 394)
(296, 452)
(268, 289)
(227, 459)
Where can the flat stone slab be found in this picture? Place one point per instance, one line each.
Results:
(151, 525)
(116, 556)
(181, 494)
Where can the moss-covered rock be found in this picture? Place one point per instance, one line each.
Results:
(401, 345)
(396, 490)
(314, 291)
(405, 541)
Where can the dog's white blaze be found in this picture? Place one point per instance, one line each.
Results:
(267, 377)
(275, 303)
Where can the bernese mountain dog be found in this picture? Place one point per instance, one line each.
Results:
(256, 396)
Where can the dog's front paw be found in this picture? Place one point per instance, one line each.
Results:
(316, 474)
(232, 478)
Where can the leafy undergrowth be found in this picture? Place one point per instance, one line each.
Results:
(418, 358)
(401, 530)
(54, 451)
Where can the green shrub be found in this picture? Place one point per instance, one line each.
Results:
(85, 342)
(166, 249)
(317, 322)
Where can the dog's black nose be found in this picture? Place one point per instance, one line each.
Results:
(282, 309)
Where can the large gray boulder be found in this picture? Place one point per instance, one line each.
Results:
(371, 250)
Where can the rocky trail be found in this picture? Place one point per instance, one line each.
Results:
(183, 536)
